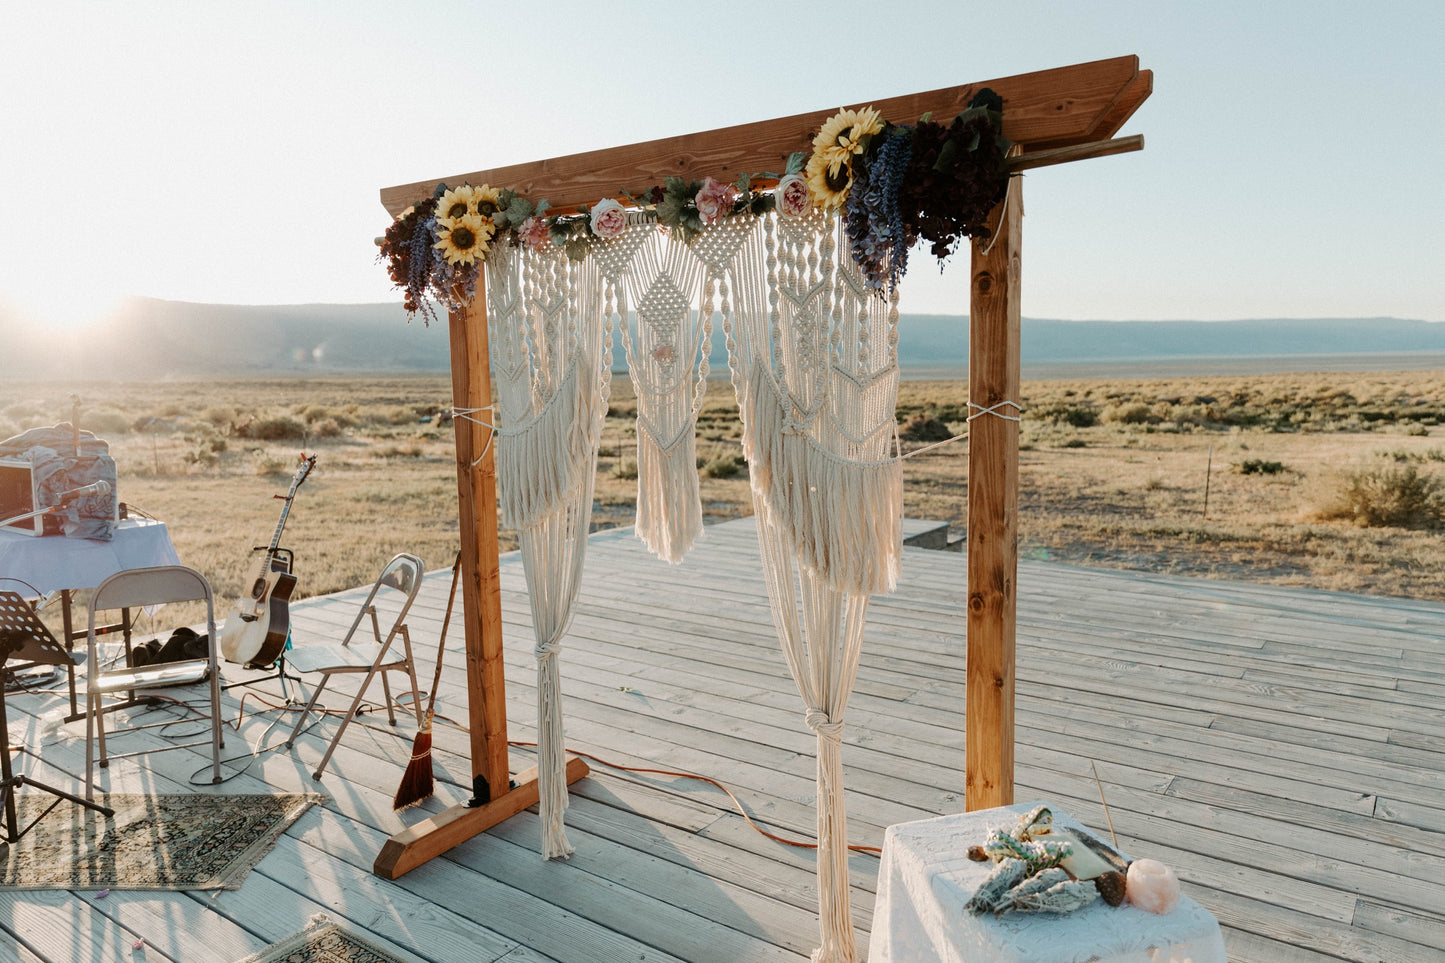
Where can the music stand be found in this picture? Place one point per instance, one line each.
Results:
(24, 636)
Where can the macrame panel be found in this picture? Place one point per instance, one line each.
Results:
(551, 369)
(813, 357)
(661, 293)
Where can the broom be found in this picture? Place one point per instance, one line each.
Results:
(416, 782)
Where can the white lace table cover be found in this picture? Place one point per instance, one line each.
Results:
(926, 878)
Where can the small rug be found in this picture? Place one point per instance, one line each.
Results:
(181, 841)
(325, 942)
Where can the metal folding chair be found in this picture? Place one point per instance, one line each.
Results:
(23, 636)
(135, 588)
(390, 598)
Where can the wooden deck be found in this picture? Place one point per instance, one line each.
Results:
(1281, 749)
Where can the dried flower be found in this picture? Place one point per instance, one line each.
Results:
(956, 176)
(535, 233)
(715, 200)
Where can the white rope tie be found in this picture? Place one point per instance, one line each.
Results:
(1003, 212)
(820, 722)
(465, 414)
(936, 444)
(994, 410)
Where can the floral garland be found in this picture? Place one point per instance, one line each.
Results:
(892, 184)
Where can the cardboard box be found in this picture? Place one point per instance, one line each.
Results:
(18, 496)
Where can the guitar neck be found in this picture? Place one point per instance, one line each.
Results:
(286, 508)
(281, 524)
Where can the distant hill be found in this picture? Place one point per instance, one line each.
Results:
(152, 339)
(147, 339)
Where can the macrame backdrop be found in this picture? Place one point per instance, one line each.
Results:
(551, 357)
(814, 362)
(813, 358)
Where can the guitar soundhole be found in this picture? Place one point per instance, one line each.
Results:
(259, 589)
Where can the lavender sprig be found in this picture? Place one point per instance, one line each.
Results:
(422, 260)
(888, 172)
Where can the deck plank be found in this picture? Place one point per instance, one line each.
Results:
(1280, 748)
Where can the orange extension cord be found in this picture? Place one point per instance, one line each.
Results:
(742, 811)
(710, 781)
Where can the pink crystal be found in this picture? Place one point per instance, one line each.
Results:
(1152, 886)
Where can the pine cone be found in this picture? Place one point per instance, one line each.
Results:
(977, 854)
(1111, 887)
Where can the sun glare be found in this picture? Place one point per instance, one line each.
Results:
(60, 307)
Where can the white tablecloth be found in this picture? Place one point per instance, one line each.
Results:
(53, 562)
(926, 878)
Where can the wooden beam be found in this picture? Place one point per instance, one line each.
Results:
(1064, 155)
(1042, 110)
(481, 568)
(993, 470)
(451, 827)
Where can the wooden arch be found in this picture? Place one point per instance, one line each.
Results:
(1054, 116)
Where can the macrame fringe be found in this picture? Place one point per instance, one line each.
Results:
(835, 916)
(669, 503)
(843, 518)
(546, 459)
(551, 756)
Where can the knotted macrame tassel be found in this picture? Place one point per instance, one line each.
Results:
(551, 757)
(669, 506)
(835, 919)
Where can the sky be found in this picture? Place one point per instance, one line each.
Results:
(233, 152)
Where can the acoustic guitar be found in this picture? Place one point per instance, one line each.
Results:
(255, 633)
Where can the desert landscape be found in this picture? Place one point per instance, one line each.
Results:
(1326, 480)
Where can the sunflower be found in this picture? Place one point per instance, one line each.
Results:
(461, 201)
(829, 183)
(830, 168)
(457, 202)
(486, 200)
(463, 240)
(842, 135)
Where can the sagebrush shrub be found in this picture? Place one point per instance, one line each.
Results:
(1394, 496)
(280, 428)
(1259, 466)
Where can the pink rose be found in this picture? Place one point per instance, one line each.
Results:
(715, 200)
(609, 219)
(792, 196)
(535, 233)
(664, 353)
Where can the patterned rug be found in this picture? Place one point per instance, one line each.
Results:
(183, 841)
(325, 942)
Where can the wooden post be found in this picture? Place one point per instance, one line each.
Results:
(495, 796)
(477, 525)
(993, 471)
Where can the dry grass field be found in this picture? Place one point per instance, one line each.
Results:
(1328, 480)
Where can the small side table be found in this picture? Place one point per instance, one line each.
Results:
(926, 877)
(45, 564)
